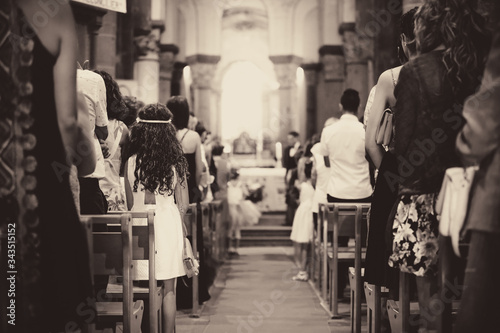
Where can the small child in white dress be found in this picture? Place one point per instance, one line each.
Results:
(242, 212)
(302, 229)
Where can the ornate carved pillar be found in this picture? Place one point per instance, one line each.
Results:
(330, 83)
(167, 60)
(287, 118)
(203, 69)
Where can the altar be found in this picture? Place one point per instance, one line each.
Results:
(272, 181)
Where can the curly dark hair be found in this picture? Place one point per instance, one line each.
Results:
(458, 26)
(114, 100)
(133, 106)
(157, 151)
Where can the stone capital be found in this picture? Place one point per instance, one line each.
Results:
(202, 74)
(169, 48)
(311, 72)
(335, 50)
(202, 59)
(145, 44)
(167, 60)
(333, 62)
(357, 48)
(285, 59)
(286, 74)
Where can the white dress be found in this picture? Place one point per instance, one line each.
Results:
(169, 239)
(302, 229)
(323, 176)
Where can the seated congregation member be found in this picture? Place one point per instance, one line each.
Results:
(118, 137)
(379, 246)
(344, 144)
(451, 44)
(157, 171)
(91, 85)
(479, 144)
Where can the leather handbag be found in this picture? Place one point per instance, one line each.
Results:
(191, 264)
(383, 134)
(452, 202)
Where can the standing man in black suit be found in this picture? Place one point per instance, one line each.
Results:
(291, 155)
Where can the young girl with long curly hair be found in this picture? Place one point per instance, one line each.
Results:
(156, 171)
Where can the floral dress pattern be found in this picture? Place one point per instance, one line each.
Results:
(415, 230)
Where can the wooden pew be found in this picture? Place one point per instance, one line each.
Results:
(348, 220)
(217, 230)
(206, 230)
(374, 295)
(143, 253)
(111, 254)
(315, 257)
(190, 220)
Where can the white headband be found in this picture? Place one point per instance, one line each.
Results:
(139, 120)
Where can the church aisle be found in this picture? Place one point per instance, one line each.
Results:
(255, 293)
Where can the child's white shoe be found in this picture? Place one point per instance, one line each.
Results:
(301, 276)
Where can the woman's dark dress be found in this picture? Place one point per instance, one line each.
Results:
(65, 272)
(377, 271)
(184, 299)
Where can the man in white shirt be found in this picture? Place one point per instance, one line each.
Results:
(344, 144)
(91, 85)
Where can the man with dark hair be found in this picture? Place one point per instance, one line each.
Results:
(291, 155)
(344, 144)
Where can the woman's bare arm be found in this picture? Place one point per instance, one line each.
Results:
(182, 199)
(58, 36)
(385, 87)
(199, 162)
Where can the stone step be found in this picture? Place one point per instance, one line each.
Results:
(266, 231)
(266, 235)
(265, 241)
(272, 219)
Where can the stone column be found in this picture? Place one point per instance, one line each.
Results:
(105, 45)
(88, 22)
(167, 60)
(203, 69)
(311, 73)
(357, 51)
(147, 67)
(287, 118)
(330, 83)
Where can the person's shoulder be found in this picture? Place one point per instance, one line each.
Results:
(89, 75)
